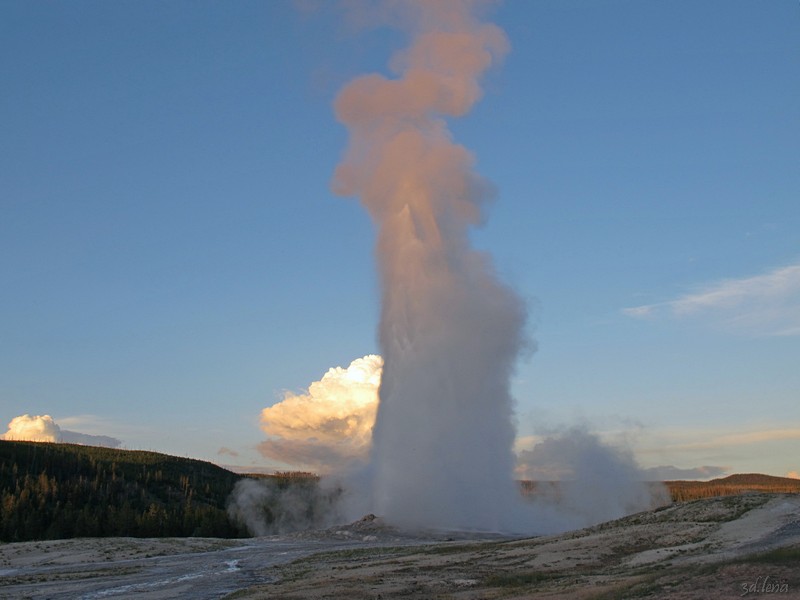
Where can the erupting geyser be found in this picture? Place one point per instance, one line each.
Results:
(450, 331)
(440, 450)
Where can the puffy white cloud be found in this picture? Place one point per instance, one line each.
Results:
(328, 425)
(38, 428)
(767, 304)
(43, 428)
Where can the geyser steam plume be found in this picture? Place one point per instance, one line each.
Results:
(450, 331)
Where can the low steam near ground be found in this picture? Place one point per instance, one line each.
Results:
(601, 483)
(328, 429)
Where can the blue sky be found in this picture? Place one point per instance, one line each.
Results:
(172, 258)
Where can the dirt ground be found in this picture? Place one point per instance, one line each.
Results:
(728, 547)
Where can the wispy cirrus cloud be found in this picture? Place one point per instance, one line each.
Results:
(768, 447)
(671, 472)
(767, 304)
(741, 438)
(691, 440)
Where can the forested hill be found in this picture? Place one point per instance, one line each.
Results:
(51, 491)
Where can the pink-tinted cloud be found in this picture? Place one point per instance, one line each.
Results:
(329, 424)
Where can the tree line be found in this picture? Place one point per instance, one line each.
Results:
(54, 491)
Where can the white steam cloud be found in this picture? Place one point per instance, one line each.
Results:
(328, 426)
(450, 331)
(441, 449)
(597, 481)
(43, 428)
(268, 507)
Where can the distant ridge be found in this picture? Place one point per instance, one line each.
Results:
(757, 479)
(732, 484)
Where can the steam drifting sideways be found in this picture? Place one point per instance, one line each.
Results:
(450, 332)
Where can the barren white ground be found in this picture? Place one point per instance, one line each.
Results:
(688, 550)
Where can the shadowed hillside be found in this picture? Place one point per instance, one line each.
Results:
(51, 491)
